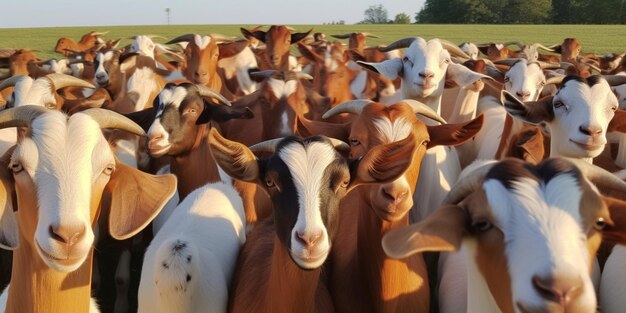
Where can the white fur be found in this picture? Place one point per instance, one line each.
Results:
(307, 165)
(470, 49)
(392, 132)
(357, 85)
(142, 82)
(143, 45)
(202, 41)
(169, 207)
(209, 228)
(238, 65)
(612, 292)
(525, 77)
(282, 89)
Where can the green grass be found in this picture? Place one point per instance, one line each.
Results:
(593, 38)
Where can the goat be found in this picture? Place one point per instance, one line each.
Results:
(363, 277)
(277, 39)
(48, 209)
(190, 262)
(530, 233)
(66, 45)
(280, 264)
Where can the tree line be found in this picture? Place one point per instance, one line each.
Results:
(523, 12)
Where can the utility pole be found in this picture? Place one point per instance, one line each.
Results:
(167, 12)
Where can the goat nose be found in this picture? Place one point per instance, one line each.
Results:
(560, 289)
(427, 74)
(395, 192)
(201, 73)
(68, 235)
(310, 238)
(523, 93)
(590, 130)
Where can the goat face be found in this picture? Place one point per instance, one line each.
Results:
(525, 80)
(471, 50)
(201, 53)
(103, 63)
(577, 117)
(424, 66)
(142, 45)
(41, 91)
(532, 232)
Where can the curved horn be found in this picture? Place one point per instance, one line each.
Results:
(599, 176)
(547, 65)
(453, 49)
(555, 80)
(221, 37)
(339, 145)
(205, 91)
(20, 116)
(301, 75)
(352, 106)
(343, 36)
(266, 146)
(62, 80)
(508, 62)
(291, 29)
(110, 119)
(398, 44)
(517, 43)
(11, 81)
(613, 80)
(468, 183)
(99, 33)
(181, 38)
(262, 74)
(370, 35)
(593, 67)
(424, 110)
(540, 46)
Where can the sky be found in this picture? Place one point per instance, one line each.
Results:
(55, 13)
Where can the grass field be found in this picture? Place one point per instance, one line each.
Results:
(594, 38)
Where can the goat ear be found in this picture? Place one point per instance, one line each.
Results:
(230, 49)
(383, 163)
(9, 238)
(463, 76)
(136, 198)
(221, 113)
(533, 112)
(618, 123)
(355, 55)
(615, 232)
(440, 231)
(308, 128)
(454, 134)
(143, 118)
(308, 53)
(295, 37)
(388, 68)
(234, 158)
(258, 34)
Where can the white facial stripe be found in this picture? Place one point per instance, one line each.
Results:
(281, 88)
(542, 231)
(157, 130)
(144, 84)
(173, 97)
(307, 166)
(201, 41)
(392, 132)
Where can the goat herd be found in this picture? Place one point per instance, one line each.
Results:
(215, 174)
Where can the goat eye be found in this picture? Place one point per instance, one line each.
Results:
(542, 83)
(425, 143)
(51, 106)
(558, 104)
(16, 167)
(354, 142)
(192, 111)
(482, 226)
(614, 108)
(108, 170)
(269, 182)
(599, 224)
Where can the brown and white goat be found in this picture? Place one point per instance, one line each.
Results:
(278, 40)
(363, 277)
(67, 46)
(280, 266)
(531, 233)
(52, 185)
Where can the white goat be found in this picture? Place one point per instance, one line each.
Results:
(190, 262)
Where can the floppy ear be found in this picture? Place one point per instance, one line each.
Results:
(463, 76)
(617, 231)
(308, 53)
(143, 118)
(308, 128)
(295, 37)
(454, 134)
(383, 163)
(533, 112)
(440, 231)
(221, 113)
(9, 238)
(258, 34)
(388, 68)
(229, 49)
(618, 123)
(234, 158)
(136, 198)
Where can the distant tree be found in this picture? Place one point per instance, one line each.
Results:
(375, 14)
(402, 18)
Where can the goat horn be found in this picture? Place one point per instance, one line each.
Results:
(266, 146)
(453, 49)
(262, 74)
(111, 119)
(306, 76)
(468, 183)
(11, 81)
(398, 44)
(517, 43)
(99, 33)
(291, 29)
(352, 106)
(599, 176)
(221, 37)
(424, 110)
(593, 67)
(508, 62)
(205, 91)
(20, 116)
(540, 46)
(547, 65)
(370, 35)
(62, 80)
(339, 145)
(555, 80)
(342, 36)
(181, 38)
(613, 80)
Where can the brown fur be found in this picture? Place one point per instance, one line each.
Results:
(67, 46)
